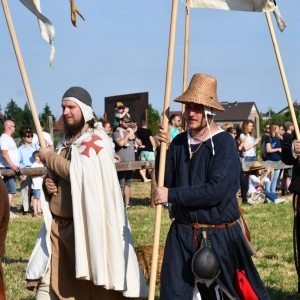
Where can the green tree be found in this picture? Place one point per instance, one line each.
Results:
(27, 118)
(45, 114)
(153, 119)
(14, 112)
(274, 118)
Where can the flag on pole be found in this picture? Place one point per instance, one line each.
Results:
(242, 5)
(46, 27)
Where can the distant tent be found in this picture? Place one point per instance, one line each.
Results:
(59, 125)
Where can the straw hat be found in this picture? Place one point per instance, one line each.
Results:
(256, 166)
(202, 90)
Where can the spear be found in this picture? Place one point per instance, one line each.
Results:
(23, 72)
(283, 76)
(163, 149)
(185, 58)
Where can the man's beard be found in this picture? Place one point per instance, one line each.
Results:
(73, 129)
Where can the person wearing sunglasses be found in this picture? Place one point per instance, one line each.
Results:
(120, 112)
(26, 160)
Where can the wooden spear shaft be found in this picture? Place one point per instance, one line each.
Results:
(23, 72)
(163, 148)
(186, 58)
(186, 47)
(283, 76)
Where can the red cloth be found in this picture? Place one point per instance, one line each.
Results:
(243, 287)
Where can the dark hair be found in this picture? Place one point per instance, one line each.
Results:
(24, 130)
(143, 123)
(230, 129)
(35, 153)
(92, 123)
(172, 117)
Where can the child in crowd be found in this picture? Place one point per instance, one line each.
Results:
(37, 185)
(257, 180)
(121, 112)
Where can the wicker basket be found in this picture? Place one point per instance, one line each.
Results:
(144, 256)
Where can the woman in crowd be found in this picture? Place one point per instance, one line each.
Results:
(26, 160)
(273, 149)
(257, 180)
(248, 141)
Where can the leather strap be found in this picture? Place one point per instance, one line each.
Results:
(197, 226)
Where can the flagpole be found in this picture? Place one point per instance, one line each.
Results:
(283, 76)
(23, 72)
(186, 58)
(163, 148)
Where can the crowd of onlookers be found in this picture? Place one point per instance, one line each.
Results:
(260, 179)
(24, 155)
(131, 142)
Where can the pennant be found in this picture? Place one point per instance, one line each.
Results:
(242, 5)
(46, 27)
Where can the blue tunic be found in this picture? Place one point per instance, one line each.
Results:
(203, 190)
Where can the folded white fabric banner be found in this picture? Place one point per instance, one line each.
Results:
(46, 27)
(242, 5)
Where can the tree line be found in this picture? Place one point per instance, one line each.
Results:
(23, 116)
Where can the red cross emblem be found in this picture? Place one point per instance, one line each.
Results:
(91, 144)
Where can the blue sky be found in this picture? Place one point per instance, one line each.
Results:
(122, 47)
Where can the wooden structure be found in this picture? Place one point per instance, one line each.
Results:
(137, 104)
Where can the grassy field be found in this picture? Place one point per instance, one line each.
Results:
(270, 226)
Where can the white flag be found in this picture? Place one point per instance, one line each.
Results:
(242, 5)
(46, 27)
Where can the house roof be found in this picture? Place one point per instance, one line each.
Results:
(235, 111)
(59, 124)
(295, 104)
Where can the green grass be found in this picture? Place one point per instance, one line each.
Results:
(270, 227)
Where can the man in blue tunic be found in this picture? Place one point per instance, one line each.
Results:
(201, 181)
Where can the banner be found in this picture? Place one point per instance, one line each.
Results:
(242, 5)
(46, 27)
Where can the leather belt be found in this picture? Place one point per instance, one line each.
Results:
(197, 226)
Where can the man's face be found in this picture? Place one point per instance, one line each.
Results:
(281, 130)
(195, 117)
(124, 125)
(72, 116)
(12, 127)
(176, 122)
(267, 129)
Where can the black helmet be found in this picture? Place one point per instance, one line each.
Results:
(205, 264)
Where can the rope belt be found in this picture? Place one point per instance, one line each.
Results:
(197, 226)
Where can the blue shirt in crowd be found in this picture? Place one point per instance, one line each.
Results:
(26, 159)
